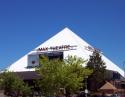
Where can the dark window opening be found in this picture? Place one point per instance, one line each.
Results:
(53, 55)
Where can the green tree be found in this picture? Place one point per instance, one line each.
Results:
(96, 63)
(58, 74)
(26, 90)
(13, 85)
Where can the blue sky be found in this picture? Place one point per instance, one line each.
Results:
(25, 24)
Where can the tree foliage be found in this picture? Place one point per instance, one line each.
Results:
(58, 74)
(99, 69)
(13, 85)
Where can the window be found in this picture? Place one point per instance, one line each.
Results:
(33, 59)
(53, 55)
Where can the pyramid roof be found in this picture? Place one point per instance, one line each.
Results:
(64, 37)
(108, 86)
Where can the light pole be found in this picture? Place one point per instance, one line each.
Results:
(86, 90)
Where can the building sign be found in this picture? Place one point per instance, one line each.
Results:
(91, 49)
(57, 48)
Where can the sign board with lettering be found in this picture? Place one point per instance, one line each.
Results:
(57, 48)
(91, 49)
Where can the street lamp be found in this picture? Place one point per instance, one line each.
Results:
(86, 90)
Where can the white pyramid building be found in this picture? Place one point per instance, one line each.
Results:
(66, 41)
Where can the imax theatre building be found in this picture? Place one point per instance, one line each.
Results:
(60, 46)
